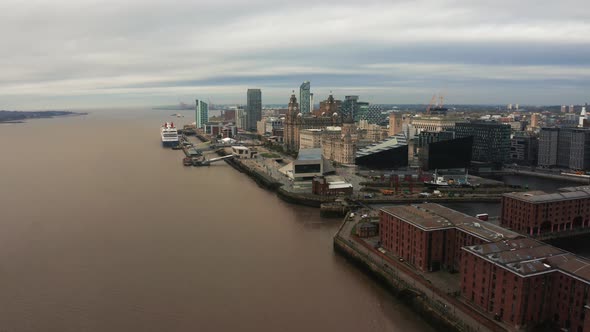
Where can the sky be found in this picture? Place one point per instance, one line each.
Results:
(114, 53)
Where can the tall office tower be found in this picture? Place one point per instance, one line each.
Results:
(352, 106)
(563, 109)
(548, 138)
(305, 98)
(565, 147)
(395, 123)
(201, 113)
(253, 108)
(491, 140)
(516, 107)
(311, 108)
(509, 107)
(571, 109)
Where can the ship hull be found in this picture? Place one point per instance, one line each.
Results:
(169, 144)
(435, 185)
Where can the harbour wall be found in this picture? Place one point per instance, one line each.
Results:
(442, 310)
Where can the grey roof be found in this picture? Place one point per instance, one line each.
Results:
(527, 257)
(389, 143)
(310, 154)
(543, 197)
(431, 216)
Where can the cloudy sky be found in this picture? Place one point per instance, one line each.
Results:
(90, 53)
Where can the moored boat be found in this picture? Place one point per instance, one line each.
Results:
(169, 135)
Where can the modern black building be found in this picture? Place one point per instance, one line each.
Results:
(524, 149)
(446, 154)
(390, 153)
(491, 140)
(385, 159)
(253, 108)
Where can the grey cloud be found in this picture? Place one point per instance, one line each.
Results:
(126, 53)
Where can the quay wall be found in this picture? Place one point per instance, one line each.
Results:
(398, 287)
(442, 310)
(537, 174)
(410, 200)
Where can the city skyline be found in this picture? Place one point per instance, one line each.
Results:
(152, 53)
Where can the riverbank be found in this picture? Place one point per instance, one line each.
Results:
(442, 308)
(21, 116)
(541, 175)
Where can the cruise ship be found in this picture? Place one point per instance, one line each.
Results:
(169, 135)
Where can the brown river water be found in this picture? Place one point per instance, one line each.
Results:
(102, 229)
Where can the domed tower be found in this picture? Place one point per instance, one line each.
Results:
(349, 140)
(331, 106)
(291, 137)
(293, 105)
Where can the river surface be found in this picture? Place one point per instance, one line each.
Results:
(104, 230)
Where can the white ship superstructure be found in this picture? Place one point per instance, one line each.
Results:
(169, 134)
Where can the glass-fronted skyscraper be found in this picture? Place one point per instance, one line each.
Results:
(253, 108)
(305, 106)
(201, 113)
(491, 140)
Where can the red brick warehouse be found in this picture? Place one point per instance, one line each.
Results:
(538, 213)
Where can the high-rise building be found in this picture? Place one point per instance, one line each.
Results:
(548, 146)
(201, 113)
(305, 98)
(565, 147)
(240, 117)
(253, 108)
(524, 148)
(571, 109)
(311, 107)
(563, 109)
(579, 157)
(491, 140)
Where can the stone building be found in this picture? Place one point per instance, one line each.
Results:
(371, 132)
(341, 148)
(395, 123)
(310, 139)
(295, 121)
(432, 124)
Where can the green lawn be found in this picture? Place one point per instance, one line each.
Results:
(270, 155)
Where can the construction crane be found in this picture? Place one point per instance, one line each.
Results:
(437, 106)
(441, 99)
(432, 101)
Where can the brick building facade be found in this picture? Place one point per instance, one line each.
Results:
(430, 236)
(296, 121)
(537, 213)
(525, 283)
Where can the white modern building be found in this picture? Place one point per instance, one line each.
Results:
(201, 113)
